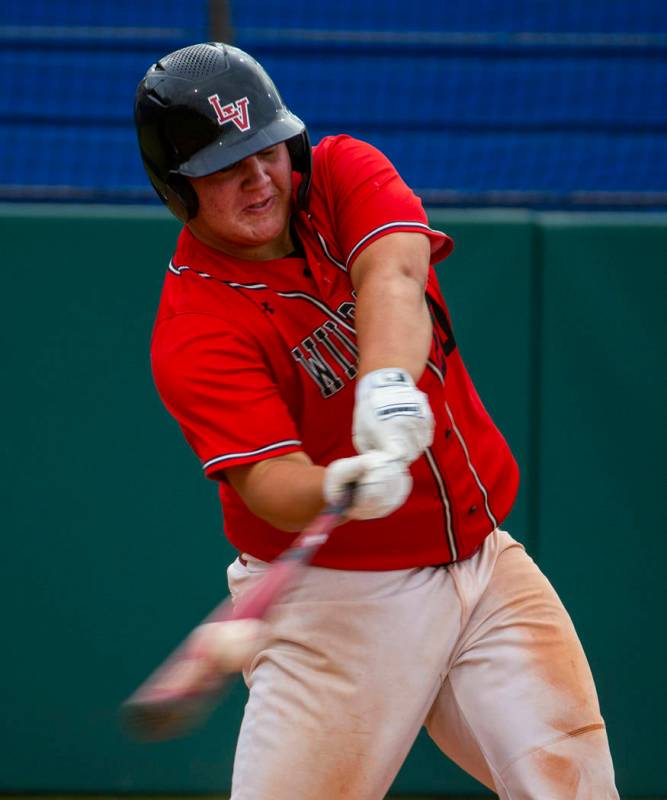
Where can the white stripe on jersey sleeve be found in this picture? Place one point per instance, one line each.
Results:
(405, 224)
(248, 453)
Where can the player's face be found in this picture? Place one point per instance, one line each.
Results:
(244, 210)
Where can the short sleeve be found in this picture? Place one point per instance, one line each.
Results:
(370, 199)
(217, 384)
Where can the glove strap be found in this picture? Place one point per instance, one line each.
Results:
(387, 376)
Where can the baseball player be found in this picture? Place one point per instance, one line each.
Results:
(302, 344)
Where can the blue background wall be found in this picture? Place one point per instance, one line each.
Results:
(551, 104)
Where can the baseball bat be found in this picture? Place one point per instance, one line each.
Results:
(183, 691)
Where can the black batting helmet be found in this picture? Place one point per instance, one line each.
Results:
(203, 108)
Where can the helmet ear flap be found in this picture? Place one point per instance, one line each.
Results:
(176, 192)
(302, 157)
(181, 197)
(300, 152)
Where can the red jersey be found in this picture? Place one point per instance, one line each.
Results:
(257, 359)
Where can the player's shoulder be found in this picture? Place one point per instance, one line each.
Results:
(195, 300)
(195, 284)
(200, 319)
(191, 290)
(341, 163)
(340, 146)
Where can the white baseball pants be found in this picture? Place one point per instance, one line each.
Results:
(481, 652)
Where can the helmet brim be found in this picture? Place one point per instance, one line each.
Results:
(220, 154)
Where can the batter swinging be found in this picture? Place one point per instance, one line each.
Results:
(302, 342)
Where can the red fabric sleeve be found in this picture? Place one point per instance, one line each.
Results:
(370, 199)
(217, 385)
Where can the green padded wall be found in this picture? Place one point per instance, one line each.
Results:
(113, 544)
(602, 434)
(112, 536)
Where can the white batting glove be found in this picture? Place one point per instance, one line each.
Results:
(391, 414)
(382, 484)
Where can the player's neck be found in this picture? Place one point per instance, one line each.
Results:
(264, 251)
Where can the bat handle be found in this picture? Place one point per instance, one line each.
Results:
(346, 500)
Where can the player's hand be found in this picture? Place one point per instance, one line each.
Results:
(382, 484)
(391, 414)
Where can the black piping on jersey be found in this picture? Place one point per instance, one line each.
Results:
(432, 366)
(289, 295)
(295, 296)
(442, 491)
(320, 305)
(406, 224)
(464, 447)
(234, 285)
(327, 253)
(177, 271)
(472, 469)
(267, 449)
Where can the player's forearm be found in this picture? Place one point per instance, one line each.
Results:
(393, 323)
(392, 320)
(285, 492)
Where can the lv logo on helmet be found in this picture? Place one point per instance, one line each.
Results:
(236, 112)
